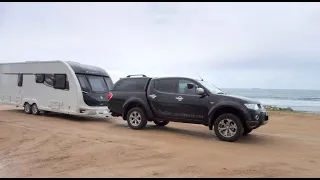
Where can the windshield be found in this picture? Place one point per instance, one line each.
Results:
(96, 84)
(210, 87)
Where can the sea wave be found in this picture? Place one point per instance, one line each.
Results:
(299, 100)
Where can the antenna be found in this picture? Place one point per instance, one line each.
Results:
(201, 78)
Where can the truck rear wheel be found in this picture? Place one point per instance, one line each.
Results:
(228, 127)
(137, 118)
(161, 123)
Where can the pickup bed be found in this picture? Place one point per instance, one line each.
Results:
(179, 99)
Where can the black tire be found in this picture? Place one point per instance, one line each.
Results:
(233, 119)
(161, 123)
(35, 110)
(137, 118)
(27, 108)
(246, 132)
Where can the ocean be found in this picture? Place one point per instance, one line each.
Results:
(298, 100)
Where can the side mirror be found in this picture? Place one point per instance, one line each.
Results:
(200, 91)
(190, 86)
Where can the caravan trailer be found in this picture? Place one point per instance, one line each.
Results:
(55, 86)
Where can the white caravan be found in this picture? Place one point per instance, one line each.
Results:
(57, 86)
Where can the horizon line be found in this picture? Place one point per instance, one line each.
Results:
(269, 88)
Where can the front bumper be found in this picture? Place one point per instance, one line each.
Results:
(257, 118)
(95, 111)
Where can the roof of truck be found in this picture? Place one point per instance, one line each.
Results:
(164, 77)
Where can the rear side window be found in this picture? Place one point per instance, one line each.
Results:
(131, 85)
(165, 85)
(20, 79)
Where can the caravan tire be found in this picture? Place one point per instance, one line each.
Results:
(35, 109)
(27, 108)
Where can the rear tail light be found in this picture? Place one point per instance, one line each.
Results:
(110, 96)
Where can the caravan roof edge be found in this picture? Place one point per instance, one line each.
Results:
(30, 62)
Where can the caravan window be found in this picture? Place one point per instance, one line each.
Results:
(60, 81)
(20, 79)
(97, 84)
(48, 80)
(39, 78)
(83, 83)
(109, 82)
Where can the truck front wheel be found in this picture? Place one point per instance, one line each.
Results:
(161, 123)
(137, 118)
(228, 127)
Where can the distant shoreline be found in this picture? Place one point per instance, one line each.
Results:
(307, 101)
(288, 109)
(271, 89)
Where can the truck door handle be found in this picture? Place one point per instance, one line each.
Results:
(153, 96)
(179, 98)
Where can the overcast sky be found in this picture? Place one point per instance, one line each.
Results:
(241, 45)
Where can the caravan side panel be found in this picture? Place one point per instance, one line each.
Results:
(9, 89)
(43, 94)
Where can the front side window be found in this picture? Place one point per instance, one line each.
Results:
(183, 87)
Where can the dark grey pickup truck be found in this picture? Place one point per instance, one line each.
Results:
(178, 99)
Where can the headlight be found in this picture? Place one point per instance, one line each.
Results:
(252, 106)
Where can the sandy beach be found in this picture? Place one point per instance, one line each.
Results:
(55, 145)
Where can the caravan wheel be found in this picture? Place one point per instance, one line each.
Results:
(27, 108)
(35, 109)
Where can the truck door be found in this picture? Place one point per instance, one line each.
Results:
(191, 106)
(161, 95)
